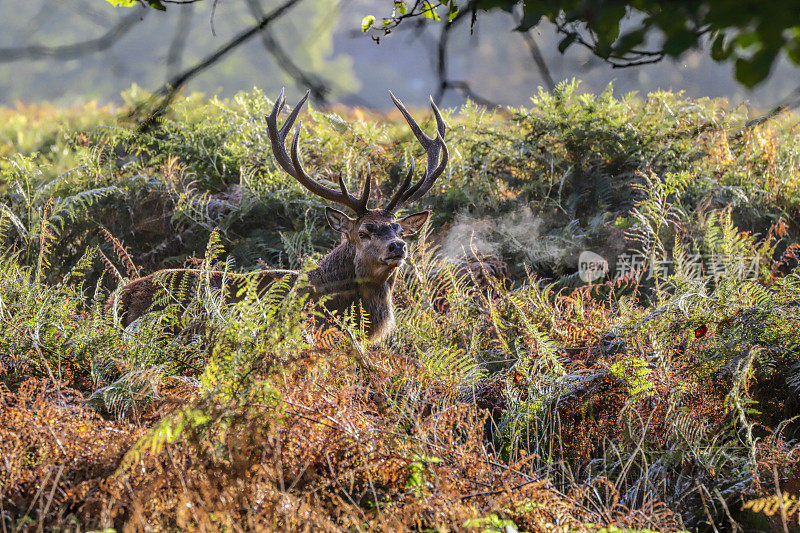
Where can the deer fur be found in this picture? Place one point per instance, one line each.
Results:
(351, 276)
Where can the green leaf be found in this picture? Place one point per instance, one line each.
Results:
(751, 72)
(426, 458)
(794, 54)
(532, 13)
(367, 22)
(453, 11)
(606, 23)
(429, 12)
(630, 40)
(566, 42)
(719, 52)
(400, 6)
(680, 41)
(155, 4)
(746, 40)
(414, 480)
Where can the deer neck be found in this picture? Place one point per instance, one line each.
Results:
(336, 272)
(337, 276)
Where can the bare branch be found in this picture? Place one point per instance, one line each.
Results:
(303, 80)
(88, 10)
(417, 12)
(178, 44)
(72, 51)
(464, 88)
(538, 59)
(179, 80)
(441, 62)
(631, 58)
(174, 84)
(213, 14)
(444, 83)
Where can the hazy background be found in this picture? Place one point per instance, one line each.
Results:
(324, 38)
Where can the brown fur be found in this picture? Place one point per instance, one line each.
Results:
(359, 273)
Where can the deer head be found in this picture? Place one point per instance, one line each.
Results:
(376, 234)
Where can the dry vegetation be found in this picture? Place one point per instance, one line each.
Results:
(512, 394)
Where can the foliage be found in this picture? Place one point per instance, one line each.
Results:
(520, 397)
(749, 34)
(155, 4)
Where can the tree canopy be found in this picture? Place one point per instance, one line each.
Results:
(749, 33)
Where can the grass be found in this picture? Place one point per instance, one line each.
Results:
(511, 392)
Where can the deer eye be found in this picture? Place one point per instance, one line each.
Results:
(364, 235)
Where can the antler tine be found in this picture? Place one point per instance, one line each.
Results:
(424, 185)
(293, 115)
(433, 146)
(423, 139)
(278, 138)
(364, 199)
(441, 127)
(291, 164)
(342, 186)
(393, 203)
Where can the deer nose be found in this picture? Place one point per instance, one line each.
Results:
(396, 247)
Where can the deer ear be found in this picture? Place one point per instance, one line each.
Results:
(412, 223)
(338, 220)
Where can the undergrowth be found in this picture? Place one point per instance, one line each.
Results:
(662, 396)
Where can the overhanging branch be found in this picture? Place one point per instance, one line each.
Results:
(168, 91)
(72, 51)
(178, 44)
(178, 81)
(319, 89)
(444, 82)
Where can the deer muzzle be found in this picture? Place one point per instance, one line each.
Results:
(395, 253)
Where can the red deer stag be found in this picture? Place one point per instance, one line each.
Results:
(360, 272)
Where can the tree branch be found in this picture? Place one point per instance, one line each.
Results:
(178, 44)
(444, 83)
(168, 91)
(72, 51)
(465, 89)
(179, 80)
(790, 102)
(626, 59)
(538, 59)
(304, 80)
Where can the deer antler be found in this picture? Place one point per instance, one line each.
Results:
(292, 166)
(436, 165)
